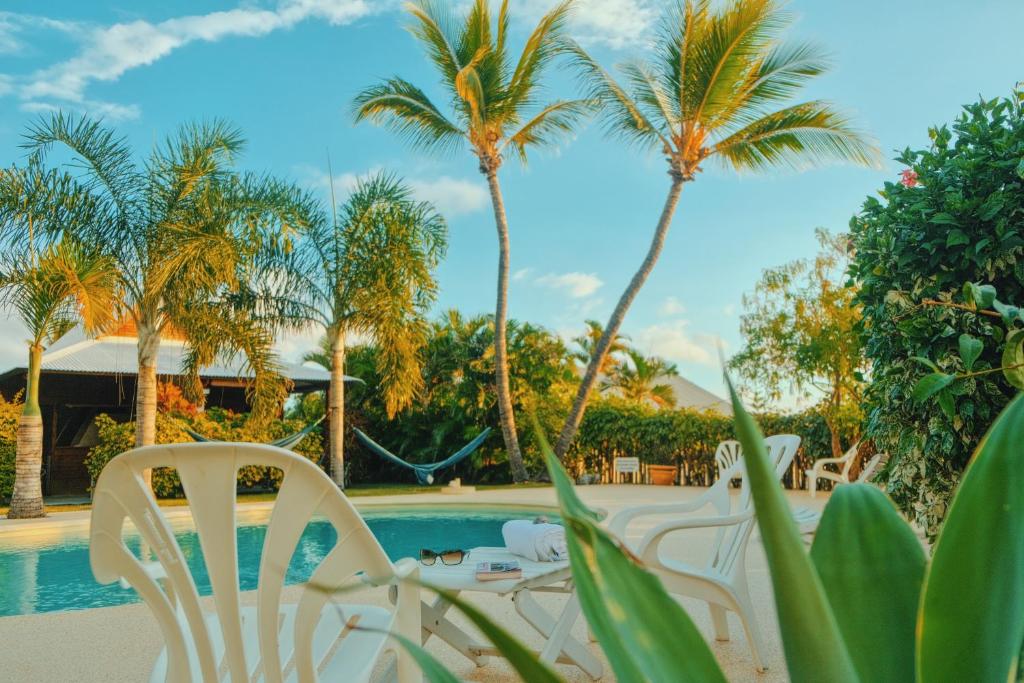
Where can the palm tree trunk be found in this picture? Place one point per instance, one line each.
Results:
(145, 389)
(505, 412)
(336, 410)
(572, 422)
(27, 498)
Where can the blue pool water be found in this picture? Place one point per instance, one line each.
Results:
(38, 575)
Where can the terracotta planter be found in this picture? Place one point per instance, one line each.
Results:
(662, 475)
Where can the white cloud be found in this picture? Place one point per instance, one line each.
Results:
(671, 306)
(522, 274)
(673, 341)
(6, 84)
(451, 196)
(617, 24)
(109, 51)
(729, 310)
(577, 285)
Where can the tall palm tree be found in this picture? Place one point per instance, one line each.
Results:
(494, 107)
(588, 341)
(638, 380)
(51, 283)
(370, 271)
(198, 246)
(716, 86)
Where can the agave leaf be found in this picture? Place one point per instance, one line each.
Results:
(971, 622)
(433, 670)
(643, 631)
(814, 646)
(871, 566)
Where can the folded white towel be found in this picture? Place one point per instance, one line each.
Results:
(537, 542)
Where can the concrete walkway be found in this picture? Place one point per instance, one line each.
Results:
(114, 644)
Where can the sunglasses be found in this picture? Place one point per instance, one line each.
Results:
(449, 557)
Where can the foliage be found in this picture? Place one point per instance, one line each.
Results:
(586, 345)
(117, 437)
(799, 331)
(959, 220)
(9, 412)
(458, 398)
(637, 378)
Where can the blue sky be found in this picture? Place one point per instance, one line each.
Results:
(581, 216)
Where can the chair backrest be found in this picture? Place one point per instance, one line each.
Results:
(727, 454)
(848, 459)
(208, 473)
(731, 542)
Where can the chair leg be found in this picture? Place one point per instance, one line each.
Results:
(812, 485)
(750, 627)
(720, 621)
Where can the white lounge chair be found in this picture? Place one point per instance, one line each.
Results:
(316, 639)
(722, 582)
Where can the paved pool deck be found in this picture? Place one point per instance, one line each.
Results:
(113, 644)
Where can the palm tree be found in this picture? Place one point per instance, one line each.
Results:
(51, 283)
(716, 87)
(587, 342)
(370, 271)
(637, 380)
(198, 247)
(494, 110)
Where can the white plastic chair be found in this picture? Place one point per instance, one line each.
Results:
(270, 642)
(722, 582)
(726, 455)
(807, 519)
(847, 460)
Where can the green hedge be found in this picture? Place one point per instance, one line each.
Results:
(118, 437)
(9, 413)
(615, 428)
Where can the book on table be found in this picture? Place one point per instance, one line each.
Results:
(498, 571)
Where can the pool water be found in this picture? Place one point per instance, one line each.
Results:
(55, 575)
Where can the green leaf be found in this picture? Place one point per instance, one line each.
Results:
(946, 403)
(433, 670)
(1013, 358)
(1008, 312)
(871, 567)
(944, 219)
(925, 362)
(955, 237)
(641, 628)
(970, 349)
(815, 650)
(971, 293)
(930, 384)
(971, 623)
(987, 295)
(1020, 169)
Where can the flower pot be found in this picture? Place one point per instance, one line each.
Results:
(662, 475)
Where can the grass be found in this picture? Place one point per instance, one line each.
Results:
(358, 491)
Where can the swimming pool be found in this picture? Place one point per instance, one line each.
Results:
(51, 573)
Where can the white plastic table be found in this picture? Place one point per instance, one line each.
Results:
(538, 577)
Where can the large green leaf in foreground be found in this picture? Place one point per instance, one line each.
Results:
(871, 566)
(814, 646)
(644, 632)
(972, 612)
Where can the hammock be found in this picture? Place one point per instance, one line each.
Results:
(286, 442)
(424, 473)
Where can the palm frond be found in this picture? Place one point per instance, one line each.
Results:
(797, 137)
(434, 27)
(674, 50)
(650, 95)
(619, 112)
(554, 121)
(544, 43)
(405, 109)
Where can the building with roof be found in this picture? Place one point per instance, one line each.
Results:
(83, 377)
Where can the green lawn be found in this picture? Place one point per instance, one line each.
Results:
(359, 491)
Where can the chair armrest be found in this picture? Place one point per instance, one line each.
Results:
(648, 548)
(407, 568)
(153, 570)
(621, 520)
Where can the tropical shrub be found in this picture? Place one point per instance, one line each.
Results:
(118, 437)
(865, 605)
(9, 412)
(956, 216)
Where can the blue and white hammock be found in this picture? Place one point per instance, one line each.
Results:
(425, 472)
(286, 442)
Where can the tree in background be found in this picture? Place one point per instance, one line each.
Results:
(638, 380)
(588, 341)
(51, 283)
(955, 217)
(199, 248)
(800, 332)
(495, 109)
(369, 271)
(712, 90)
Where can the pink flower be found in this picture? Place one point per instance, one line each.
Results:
(908, 177)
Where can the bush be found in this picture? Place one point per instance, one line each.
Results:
(118, 437)
(957, 216)
(9, 413)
